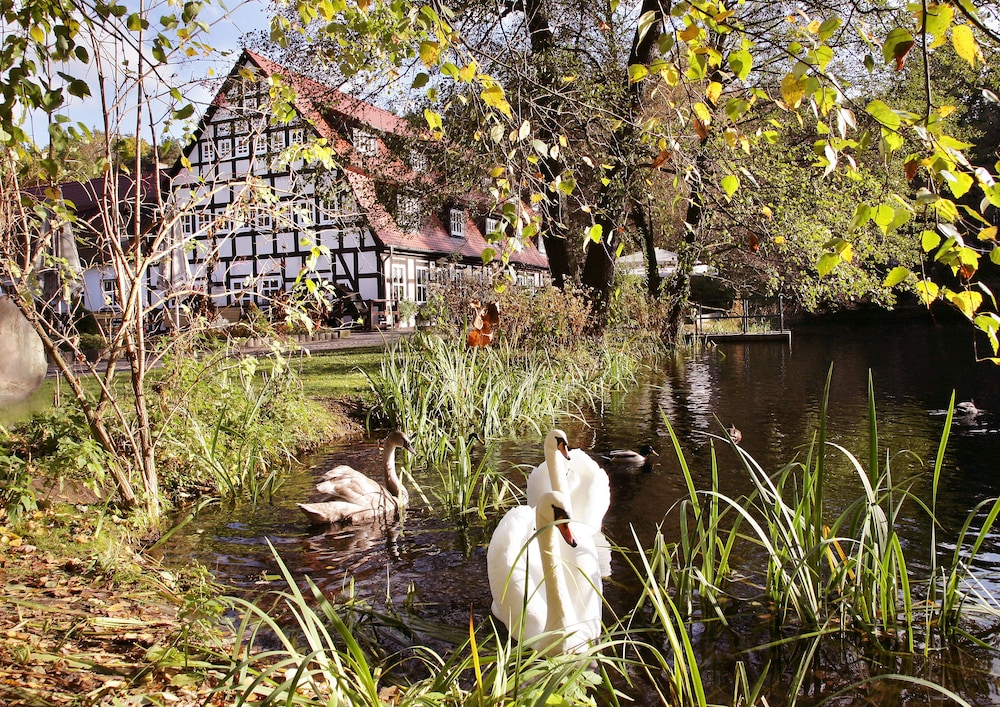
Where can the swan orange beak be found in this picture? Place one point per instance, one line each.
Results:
(562, 522)
(563, 447)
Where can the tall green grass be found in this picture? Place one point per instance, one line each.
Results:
(844, 572)
(442, 392)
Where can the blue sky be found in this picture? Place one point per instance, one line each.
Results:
(193, 75)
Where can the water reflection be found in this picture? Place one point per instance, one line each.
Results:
(772, 393)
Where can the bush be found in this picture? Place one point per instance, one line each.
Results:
(92, 342)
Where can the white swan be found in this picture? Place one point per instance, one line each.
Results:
(582, 480)
(548, 598)
(355, 498)
(584, 483)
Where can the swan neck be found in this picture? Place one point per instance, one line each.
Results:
(556, 590)
(392, 484)
(557, 473)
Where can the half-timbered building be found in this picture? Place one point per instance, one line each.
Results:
(288, 179)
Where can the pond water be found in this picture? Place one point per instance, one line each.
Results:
(770, 391)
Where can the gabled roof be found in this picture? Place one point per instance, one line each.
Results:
(324, 106)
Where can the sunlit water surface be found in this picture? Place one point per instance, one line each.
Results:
(436, 568)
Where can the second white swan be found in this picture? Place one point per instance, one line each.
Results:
(549, 598)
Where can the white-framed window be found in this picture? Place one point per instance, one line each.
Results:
(276, 140)
(242, 146)
(270, 287)
(423, 274)
(260, 143)
(492, 225)
(408, 212)
(243, 293)
(297, 136)
(457, 223)
(207, 151)
(189, 224)
(418, 160)
(263, 222)
(398, 282)
(365, 142)
(224, 147)
(109, 292)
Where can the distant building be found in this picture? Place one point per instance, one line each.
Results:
(355, 221)
(635, 263)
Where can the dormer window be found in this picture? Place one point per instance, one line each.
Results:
(407, 212)
(492, 225)
(418, 160)
(458, 223)
(365, 142)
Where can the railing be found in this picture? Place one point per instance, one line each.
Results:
(755, 317)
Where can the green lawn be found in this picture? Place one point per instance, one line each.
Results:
(325, 374)
(330, 374)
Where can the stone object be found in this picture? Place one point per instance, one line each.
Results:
(22, 356)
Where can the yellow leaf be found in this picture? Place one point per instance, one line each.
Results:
(689, 32)
(988, 234)
(713, 92)
(927, 290)
(965, 44)
(945, 111)
(792, 91)
(966, 302)
(469, 72)
(766, 210)
(430, 52)
(704, 115)
(779, 240)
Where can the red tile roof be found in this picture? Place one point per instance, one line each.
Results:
(315, 102)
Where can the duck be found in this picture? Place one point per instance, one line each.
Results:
(583, 482)
(353, 498)
(618, 459)
(546, 589)
(967, 410)
(735, 434)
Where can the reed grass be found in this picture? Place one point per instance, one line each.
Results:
(443, 392)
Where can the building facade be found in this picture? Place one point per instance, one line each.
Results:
(320, 186)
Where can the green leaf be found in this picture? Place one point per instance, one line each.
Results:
(489, 254)
(595, 233)
(882, 216)
(420, 80)
(829, 26)
(883, 114)
(78, 88)
(958, 182)
(637, 72)
(862, 214)
(827, 263)
(184, 112)
(730, 183)
(928, 291)
(896, 276)
(929, 240)
(741, 62)
(939, 19)
(896, 46)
